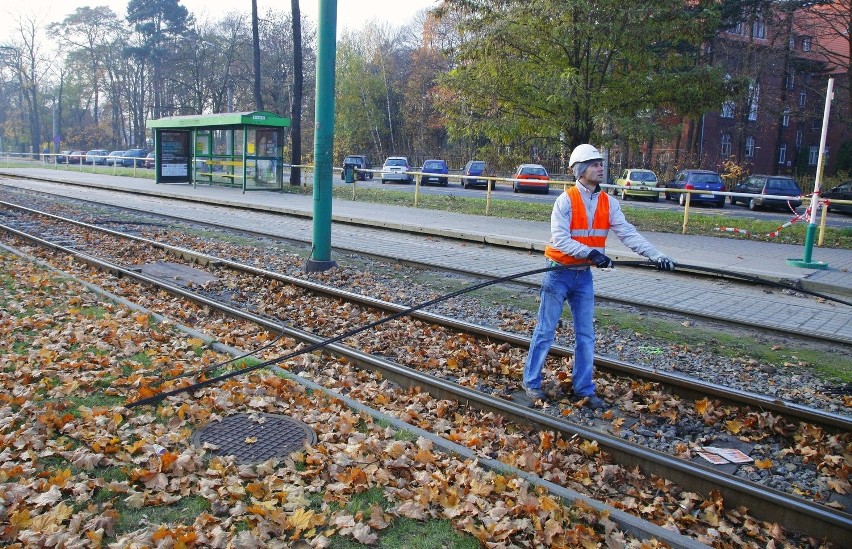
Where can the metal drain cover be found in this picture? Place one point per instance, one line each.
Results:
(176, 273)
(254, 438)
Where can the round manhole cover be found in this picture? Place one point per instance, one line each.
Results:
(254, 438)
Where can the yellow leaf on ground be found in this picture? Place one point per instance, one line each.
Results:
(424, 456)
(589, 447)
(734, 426)
(257, 510)
(303, 519)
(763, 463)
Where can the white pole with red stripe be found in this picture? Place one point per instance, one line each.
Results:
(806, 261)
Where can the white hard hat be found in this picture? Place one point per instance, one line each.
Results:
(583, 153)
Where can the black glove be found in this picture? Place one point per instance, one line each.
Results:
(600, 260)
(665, 263)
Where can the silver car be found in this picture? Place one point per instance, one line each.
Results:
(395, 169)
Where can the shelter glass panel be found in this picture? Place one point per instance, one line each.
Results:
(238, 142)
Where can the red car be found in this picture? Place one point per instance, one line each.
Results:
(531, 177)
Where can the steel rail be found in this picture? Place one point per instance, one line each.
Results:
(684, 386)
(468, 272)
(793, 512)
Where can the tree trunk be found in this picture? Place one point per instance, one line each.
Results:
(296, 107)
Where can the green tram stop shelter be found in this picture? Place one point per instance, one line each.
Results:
(239, 149)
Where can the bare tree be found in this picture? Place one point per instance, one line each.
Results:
(89, 30)
(31, 65)
(830, 25)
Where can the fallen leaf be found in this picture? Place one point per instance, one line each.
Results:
(734, 426)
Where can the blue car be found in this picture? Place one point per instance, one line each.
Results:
(433, 170)
(699, 180)
(133, 157)
(472, 169)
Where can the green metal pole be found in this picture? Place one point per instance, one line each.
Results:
(320, 259)
(806, 261)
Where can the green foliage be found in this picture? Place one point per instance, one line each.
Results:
(844, 157)
(360, 115)
(156, 19)
(563, 71)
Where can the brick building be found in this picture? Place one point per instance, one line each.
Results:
(783, 62)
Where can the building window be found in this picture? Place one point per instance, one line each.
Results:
(754, 95)
(749, 147)
(727, 109)
(813, 155)
(726, 145)
(736, 29)
(792, 43)
(782, 153)
(806, 43)
(790, 81)
(799, 139)
(785, 118)
(758, 29)
(816, 123)
(802, 97)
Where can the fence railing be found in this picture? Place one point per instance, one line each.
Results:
(63, 162)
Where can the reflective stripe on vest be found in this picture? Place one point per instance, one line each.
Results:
(593, 237)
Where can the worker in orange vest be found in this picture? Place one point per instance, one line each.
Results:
(581, 219)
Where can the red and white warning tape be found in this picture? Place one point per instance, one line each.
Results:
(732, 230)
(774, 233)
(796, 219)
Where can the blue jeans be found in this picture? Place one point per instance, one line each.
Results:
(575, 286)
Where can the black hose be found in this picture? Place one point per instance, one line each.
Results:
(736, 276)
(231, 360)
(314, 346)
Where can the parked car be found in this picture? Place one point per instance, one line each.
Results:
(768, 185)
(638, 183)
(472, 169)
(840, 192)
(533, 178)
(361, 162)
(134, 157)
(76, 157)
(62, 157)
(96, 156)
(435, 169)
(394, 170)
(149, 161)
(700, 180)
(112, 159)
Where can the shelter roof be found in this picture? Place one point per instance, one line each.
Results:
(249, 118)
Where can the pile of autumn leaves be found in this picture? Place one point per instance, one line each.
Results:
(77, 468)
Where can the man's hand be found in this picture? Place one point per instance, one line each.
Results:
(601, 261)
(665, 263)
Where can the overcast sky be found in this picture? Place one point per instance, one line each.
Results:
(350, 13)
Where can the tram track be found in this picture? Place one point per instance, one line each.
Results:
(619, 298)
(781, 507)
(682, 385)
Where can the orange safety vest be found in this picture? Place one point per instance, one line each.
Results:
(593, 236)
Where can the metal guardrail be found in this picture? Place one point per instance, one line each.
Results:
(490, 186)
